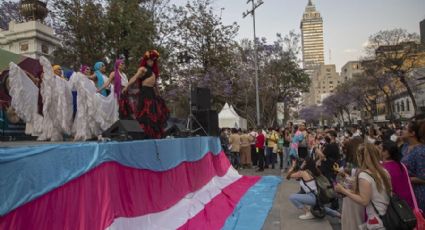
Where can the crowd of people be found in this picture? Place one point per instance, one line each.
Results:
(363, 165)
(82, 104)
(262, 148)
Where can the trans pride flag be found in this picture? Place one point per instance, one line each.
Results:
(151, 184)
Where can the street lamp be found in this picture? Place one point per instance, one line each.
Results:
(252, 12)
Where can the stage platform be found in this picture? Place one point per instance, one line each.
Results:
(13, 144)
(181, 183)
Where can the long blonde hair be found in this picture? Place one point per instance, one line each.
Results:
(368, 158)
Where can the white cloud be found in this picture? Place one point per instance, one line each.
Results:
(351, 51)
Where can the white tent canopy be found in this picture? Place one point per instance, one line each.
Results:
(228, 118)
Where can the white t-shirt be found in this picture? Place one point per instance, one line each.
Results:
(308, 186)
(124, 79)
(380, 199)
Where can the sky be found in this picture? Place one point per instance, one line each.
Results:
(347, 24)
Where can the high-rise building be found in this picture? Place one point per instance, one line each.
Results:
(312, 38)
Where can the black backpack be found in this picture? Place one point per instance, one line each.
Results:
(399, 215)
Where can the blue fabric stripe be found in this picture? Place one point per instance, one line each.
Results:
(253, 208)
(29, 172)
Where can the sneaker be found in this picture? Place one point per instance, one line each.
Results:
(307, 216)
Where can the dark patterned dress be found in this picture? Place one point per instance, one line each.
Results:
(148, 109)
(415, 163)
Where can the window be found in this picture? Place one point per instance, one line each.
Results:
(407, 105)
(45, 49)
(331, 82)
(24, 47)
(398, 107)
(402, 106)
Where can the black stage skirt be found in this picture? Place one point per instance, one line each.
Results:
(149, 110)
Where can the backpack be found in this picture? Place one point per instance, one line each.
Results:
(399, 216)
(325, 190)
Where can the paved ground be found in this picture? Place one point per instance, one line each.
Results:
(283, 215)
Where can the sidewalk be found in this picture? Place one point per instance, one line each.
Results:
(283, 215)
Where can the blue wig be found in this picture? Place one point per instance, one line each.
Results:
(99, 77)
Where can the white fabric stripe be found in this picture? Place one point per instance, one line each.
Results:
(181, 212)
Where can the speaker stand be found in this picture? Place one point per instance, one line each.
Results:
(191, 117)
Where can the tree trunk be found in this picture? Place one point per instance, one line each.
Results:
(388, 104)
(349, 116)
(285, 114)
(390, 109)
(341, 113)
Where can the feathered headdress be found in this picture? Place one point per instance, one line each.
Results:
(151, 55)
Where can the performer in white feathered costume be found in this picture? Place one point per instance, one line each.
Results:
(95, 113)
(57, 102)
(24, 95)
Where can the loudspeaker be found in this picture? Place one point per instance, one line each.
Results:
(125, 130)
(201, 98)
(208, 119)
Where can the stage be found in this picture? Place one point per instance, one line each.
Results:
(13, 144)
(177, 183)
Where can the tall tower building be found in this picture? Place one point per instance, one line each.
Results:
(312, 38)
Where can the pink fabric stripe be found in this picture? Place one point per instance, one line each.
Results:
(216, 212)
(93, 200)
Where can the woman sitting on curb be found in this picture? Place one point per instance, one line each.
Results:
(307, 182)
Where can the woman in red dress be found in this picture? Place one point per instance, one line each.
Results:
(150, 109)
